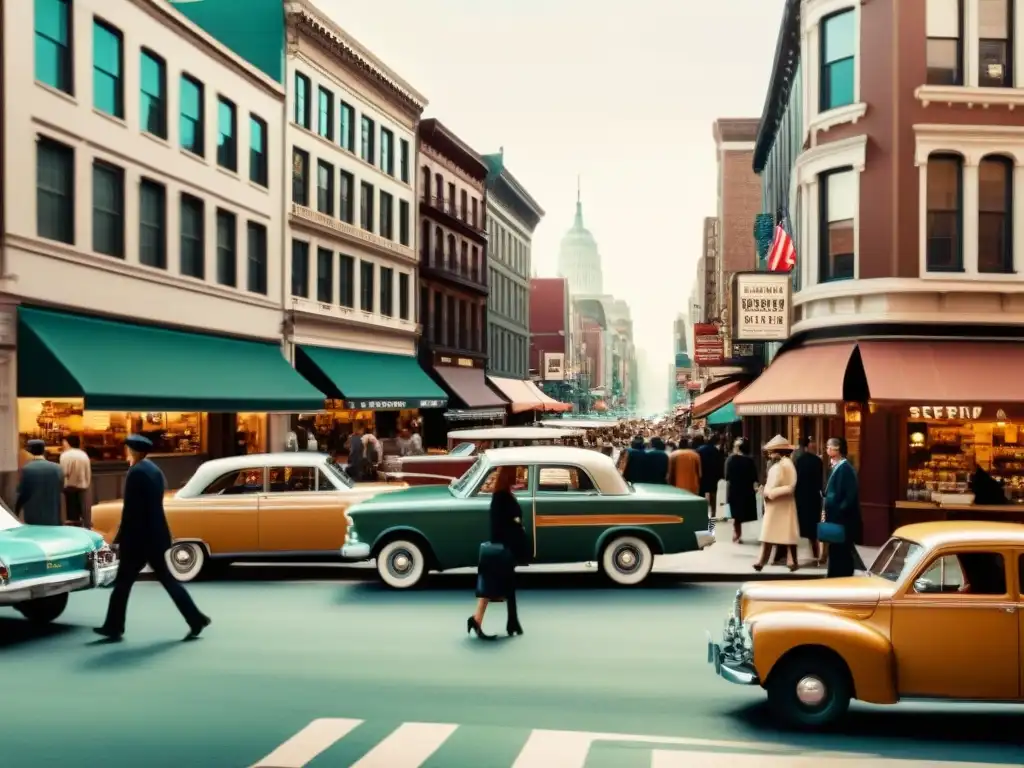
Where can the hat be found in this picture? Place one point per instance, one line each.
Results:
(139, 443)
(36, 447)
(778, 443)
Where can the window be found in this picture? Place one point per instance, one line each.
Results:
(403, 160)
(346, 203)
(564, 480)
(438, 325)
(53, 44)
(838, 190)
(300, 177)
(193, 121)
(451, 200)
(256, 280)
(366, 206)
(387, 151)
(423, 311)
(227, 248)
(387, 216)
(55, 191)
(387, 291)
(347, 132)
(837, 60)
(403, 295)
(995, 220)
(449, 309)
(424, 242)
(325, 114)
(944, 225)
(153, 94)
(965, 573)
(439, 185)
(324, 483)
(473, 328)
(152, 224)
(292, 479)
(521, 484)
(108, 209)
(995, 55)
(425, 188)
(193, 237)
(107, 64)
(366, 146)
(463, 326)
(302, 111)
(464, 259)
(324, 275)
(438, 248)
(347, 281)
(464, 205)
(477, 277)
(476, 213)
(366, 286)
(403, 222)
(257, 151)
(452, 255)
(300, 269)
(237, 482)
(325, 188)
(227, 128)
(945, 44)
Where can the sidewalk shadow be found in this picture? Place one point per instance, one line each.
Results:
(132, 656)
(15, 631)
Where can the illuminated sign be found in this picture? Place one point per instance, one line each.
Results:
(948, 412)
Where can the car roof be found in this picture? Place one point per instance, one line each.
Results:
(515, 433)
(579, 423)
(600, 467)
(282, 458)
(941, 533)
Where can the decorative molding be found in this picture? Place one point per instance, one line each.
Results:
(831, 155)
(973, 142)
(851, 113)
(811, 15)
(452, 167)
(813, 11)
(949, 95)
(302, 215)
(349, 316)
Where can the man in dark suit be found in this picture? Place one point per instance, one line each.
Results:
(842, 507)
(40, 489)
(142, 539)
(809, 477)
(656, 471)
(633, 461)
(712, 469)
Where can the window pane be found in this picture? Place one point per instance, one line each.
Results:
(842, 194)
(366, 207)
(227, 154)
(152, 101)
(346, 203)
(52, 54)
(227, 260)
(108, 210)
(257, 151)
(403, 295)
(943, 62)
(993, 20)
(347, 132)
(300, 177)
(943, 18)
(994, 63)
(366, 286)
(257, 247)
(995, 179)
(346, 281)
(943, 224)
(839, 84)
(292, 479)
(838, 37)
(55, 184)
(152, 224)
(300, 269)
(325, 188)
(106, 51)
(324, 275)
(191, 123)
(943, 184)
(193, 258)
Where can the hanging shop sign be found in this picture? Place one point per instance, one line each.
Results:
(761, 306)
(708, 344)
(554, 366)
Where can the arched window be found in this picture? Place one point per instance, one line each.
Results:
(426, 183)
(439, 189)
(995, 215)
(453, 257)
(945, 213)
(425, 242)
(438, 247)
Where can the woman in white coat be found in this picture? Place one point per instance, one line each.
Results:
(780, 527)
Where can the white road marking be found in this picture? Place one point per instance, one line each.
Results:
(315, 738)
(408, 746)
(665, 759)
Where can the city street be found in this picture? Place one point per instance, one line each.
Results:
(312, 667)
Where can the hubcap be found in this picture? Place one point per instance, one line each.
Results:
(627, 559)
(183, 558)
(811, 691)
(400, 563)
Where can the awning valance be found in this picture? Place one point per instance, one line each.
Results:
(520, 397)
(807, 381)
(118, 366)
(549, 403)
(469, 386)
(711, 401)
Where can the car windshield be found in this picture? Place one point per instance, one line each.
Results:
(462, 485)
(462, 449)
(896, 558)
(7, 519)
(335, 469)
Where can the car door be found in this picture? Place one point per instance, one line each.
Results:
(301, 512)
(1020, 618)
(956, 628)
(223, 515)
(566, 501)
(474, 524)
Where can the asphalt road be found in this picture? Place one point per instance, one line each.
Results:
(337, 673)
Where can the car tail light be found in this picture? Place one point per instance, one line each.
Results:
(102, 557)
(5, 574)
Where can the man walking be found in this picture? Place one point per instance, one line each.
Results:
(809, 477)
(143, 538)
(77, 469)
(40, 488)
(684, 468)
(712, 470)
(842, 508)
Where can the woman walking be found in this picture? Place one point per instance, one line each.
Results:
(741, 487)
(779, 527)
(496, 571)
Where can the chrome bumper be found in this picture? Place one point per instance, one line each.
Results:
(356, 551)
(104, 575)
(44, 586)
(740, 674)
(705, 539)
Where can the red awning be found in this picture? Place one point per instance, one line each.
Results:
(803, 381)
(715, 399)
(520, 396)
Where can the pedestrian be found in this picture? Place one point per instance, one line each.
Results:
(499, 556)
(842, 527)
(684, 468)
(632, 461)
(712, 470)
(355, 454)
(779, 527)
(372, 454)
(77, 469)
(656, 469)
(142, 539)
(741, 487)
(809, 477)
(40, 488)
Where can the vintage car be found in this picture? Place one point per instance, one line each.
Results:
(40, 565)
(576, 508)
(939, 615)
(277, 506)
(467, 445)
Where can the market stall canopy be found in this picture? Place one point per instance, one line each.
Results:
(369, 380)
(714, 399)
(723, 416)
(117, 366)
(521, 399)
(469, 385)
(805, 380)
(550, 404)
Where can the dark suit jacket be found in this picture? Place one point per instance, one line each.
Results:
(507, 526)
(39, 492)
(842, 501)
(712, 468)
(809, 478)
(144, 528)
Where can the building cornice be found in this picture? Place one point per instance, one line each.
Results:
(510, 193)
(784, 67)
(440, 143)
(301, 216)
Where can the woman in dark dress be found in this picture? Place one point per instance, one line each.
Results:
(496, 571)
(741, 487)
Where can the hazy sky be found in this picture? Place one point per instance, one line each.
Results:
(623, 94)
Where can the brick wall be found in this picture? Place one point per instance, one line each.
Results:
(741, 201)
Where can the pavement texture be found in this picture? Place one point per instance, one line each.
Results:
(303, 670)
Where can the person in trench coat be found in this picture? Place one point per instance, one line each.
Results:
(779, 526)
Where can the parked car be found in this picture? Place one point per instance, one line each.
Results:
(576, 507)
(938, 615)
(40, 565)
(277, 506)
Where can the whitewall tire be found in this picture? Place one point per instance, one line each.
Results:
(401, 564)
(627, 560)
(186, 559)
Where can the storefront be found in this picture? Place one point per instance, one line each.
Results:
(526, 401)
(475, 403)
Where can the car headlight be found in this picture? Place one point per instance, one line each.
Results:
(104, 556)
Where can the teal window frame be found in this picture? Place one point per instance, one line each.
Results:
(54, 59)
(152, 93)
(192, 114)
(258, 143)
(107, 68)
(227, 134)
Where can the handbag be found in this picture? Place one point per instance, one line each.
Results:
(831, 533)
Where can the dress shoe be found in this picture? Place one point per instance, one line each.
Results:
(194, 630)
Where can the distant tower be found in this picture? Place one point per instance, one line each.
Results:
(578, 259)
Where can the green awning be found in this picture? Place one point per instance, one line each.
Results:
(724, 415)
(369, 380)
(119, 366)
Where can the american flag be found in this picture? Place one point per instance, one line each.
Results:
(782, 254)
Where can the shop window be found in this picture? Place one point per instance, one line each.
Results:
(291, 479)
(387, 216)
(302, 113)
(108, 209)
(387, 151)
(837, 215)
(366, 286)
(227, 134)
(347, 199)
(995, 220)
(347, 281)
(325, 114)
(227, 248)
(945, 44)
(152, 224)
(387, 291)
(347, 127)
(403, 222)
(193, 237)
(153, 94)
(403, 295)
(107, 68)
(236, 482)
(945, 213)
(257, 151)
(55, 190)
(367, 148)
(366, 206)
(251, 434)
(838, 53)
(256, 278)
(325, 188)
(995, 48)
(300, 269)
(300, 177)
(403, 160)
(192, 122)
(324, 275)
(53, 30)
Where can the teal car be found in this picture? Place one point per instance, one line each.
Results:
(40, 565)
(576, 508)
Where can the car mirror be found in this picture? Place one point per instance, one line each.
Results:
(926, 585)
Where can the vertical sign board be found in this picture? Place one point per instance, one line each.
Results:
(708, 344)
(554, 366)
(761, 306)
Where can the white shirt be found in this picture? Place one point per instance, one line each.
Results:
(77, 468)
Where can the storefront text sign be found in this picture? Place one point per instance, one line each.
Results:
(392, 405)
(554, 366)
(708, 344)
(788, 409)
(948, 412)
(761, 306)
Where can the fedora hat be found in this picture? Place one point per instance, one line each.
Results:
(778, 443)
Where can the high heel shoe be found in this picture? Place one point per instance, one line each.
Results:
(514, 628)
(758, 567)
(472, 626)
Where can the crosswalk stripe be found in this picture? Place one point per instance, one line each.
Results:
(408, 746)
(315, 738)
(661, 758)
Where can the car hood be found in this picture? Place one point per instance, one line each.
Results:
(852, 589)
(32, 543)
(413, 497)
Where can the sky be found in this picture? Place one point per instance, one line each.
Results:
(622, 95)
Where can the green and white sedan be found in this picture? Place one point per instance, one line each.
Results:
(40, 565)
(576, 508)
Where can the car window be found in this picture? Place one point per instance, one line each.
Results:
(292, 479)
(333, 468)
(564, 479)
(237, 481)
(323, 482)
(896, 558)
(522, 481)
(462, 449)
(964, 573)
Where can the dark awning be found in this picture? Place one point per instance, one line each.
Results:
(117, 366)
(369, 380)
(469, 386)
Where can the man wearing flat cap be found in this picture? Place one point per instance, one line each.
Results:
(40, 488)
(143, 538)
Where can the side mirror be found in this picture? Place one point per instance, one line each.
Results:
(926, 585)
